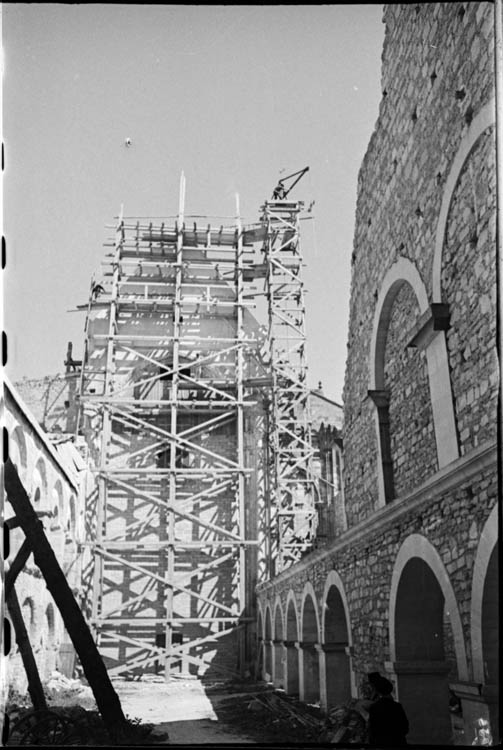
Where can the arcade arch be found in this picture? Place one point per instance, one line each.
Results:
(18, 452)
(484, 618)
(420, 594)
(309, 661)
(260, 642)
(291, 644)
(268, 645)
(336, 640)
(278, 647)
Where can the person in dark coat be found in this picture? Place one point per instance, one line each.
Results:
(388, 724)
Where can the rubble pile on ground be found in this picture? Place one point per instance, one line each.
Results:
(296, 714)
(64, 691)
(273, 716)
(347, 723)
(270, 715)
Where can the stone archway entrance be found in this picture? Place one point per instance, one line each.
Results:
(420, 665)
(335, 646)
(310, 674)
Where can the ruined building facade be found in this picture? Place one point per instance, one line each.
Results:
(409, 588)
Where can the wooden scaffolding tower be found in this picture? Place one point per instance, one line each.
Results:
(167, 380)
(293, 514)
(200, 443)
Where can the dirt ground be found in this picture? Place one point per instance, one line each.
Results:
(184, 711)
(180, 709)
(193, 713)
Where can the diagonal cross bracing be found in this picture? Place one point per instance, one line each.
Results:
(164, 388)
(290, 437)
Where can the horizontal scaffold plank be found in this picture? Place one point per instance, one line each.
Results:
(127, 563)
(167, 620)
(166, 543)
(211, 471)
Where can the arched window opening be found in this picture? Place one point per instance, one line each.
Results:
(28, 613)
(18, 453)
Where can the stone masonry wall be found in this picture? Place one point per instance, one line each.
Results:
(424, 234)
(437, 74)
(452, 523)
(413, 447)
(469, 286)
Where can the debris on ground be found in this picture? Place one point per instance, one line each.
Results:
(70, 725)
(71, 717)
(66, 691)
(347, 722)
(270, 715)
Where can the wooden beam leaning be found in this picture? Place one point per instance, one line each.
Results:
(17, 566)
(107, 699)
(35, 688)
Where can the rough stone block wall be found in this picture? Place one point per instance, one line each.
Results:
(469, 286)
(437, 74)
(413, 447)
(366, 568)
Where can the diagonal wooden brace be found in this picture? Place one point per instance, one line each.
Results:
(107, 699)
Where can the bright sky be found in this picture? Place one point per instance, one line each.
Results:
(229, 94)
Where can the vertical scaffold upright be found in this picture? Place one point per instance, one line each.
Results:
(169, 397)
(293, 521)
